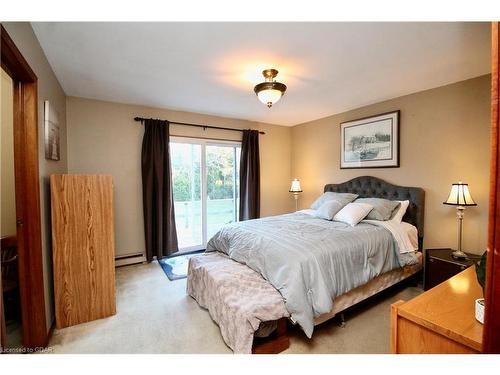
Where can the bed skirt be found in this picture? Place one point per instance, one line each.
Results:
(371, 288)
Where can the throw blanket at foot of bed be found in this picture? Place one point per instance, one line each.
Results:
(237, 298)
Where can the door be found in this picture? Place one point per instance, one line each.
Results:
(205, 178)
(27, 189)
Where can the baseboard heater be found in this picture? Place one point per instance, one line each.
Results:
(127, 259)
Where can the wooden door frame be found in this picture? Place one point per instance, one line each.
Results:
(491, 336)
(27, 186)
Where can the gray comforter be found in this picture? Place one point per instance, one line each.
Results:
(310, 261)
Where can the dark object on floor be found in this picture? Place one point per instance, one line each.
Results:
(176, 267)
(275, 343)
(10, 283)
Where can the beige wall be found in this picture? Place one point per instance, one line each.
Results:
(48, 89)
(104, 138)
(445, 137)
(8, 192)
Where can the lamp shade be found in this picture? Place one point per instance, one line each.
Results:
(269, 96)
(295, 188)
(270, 91)
(460, 195)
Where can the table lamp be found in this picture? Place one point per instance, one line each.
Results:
(296, 190)
(461, 198)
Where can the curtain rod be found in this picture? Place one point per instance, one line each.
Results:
(205, 127)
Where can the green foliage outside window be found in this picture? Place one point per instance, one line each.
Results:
(220, 170)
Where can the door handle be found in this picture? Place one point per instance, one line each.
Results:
(19, 222)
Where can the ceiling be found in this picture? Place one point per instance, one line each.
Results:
(212, 67)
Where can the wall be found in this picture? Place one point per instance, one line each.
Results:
(104, 138)
(445, 137)
(8, 191)
(48, 89)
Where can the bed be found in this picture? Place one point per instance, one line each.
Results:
(307, 269)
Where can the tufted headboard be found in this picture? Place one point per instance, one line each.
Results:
(373, 187)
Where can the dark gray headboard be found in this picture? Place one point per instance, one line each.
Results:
(373, 187)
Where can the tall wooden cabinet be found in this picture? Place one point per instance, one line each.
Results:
(83, 248)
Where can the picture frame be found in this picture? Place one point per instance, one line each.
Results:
(52, 139)
(370, 142)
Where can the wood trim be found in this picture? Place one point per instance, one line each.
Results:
(3, 330)
(13, 61)
(491, 338)
(27, 184)
(275, 343)
(394, 326)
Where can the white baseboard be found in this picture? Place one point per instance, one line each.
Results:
(125, 260)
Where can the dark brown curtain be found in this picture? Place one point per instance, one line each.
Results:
(250, 176)
(158, 202)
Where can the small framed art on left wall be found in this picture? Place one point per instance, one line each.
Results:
(51, 124)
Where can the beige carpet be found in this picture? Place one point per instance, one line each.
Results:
(154, 315)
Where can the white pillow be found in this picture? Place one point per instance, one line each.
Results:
(353, 213)
(400, 212)
(328, 209)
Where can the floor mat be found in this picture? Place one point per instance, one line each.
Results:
(176, 267)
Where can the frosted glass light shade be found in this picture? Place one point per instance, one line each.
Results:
(295, 188)
(270, 96)
(460, 195)
(269, 91)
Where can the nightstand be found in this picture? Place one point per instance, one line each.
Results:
(440, 266)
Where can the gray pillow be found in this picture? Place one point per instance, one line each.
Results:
(328, 209)
(382, 208)
(329, 195)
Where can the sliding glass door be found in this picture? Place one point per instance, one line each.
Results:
(206, 188)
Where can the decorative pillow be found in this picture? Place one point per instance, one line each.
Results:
(330, 195)
(353, 213)
(398, 214)
(328, 209)
(382, 208)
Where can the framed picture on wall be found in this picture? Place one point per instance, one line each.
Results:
(51, 123)
(371, 142)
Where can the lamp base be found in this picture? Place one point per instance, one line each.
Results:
(459, 254)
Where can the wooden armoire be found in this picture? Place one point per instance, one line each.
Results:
(83, 248)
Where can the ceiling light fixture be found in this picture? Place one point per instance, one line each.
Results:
(270, 91)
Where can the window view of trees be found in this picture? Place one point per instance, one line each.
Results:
(186, 171)
(220, 172)
(221, 186)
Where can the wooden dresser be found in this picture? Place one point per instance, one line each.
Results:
(441, 320)
(83, 248)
